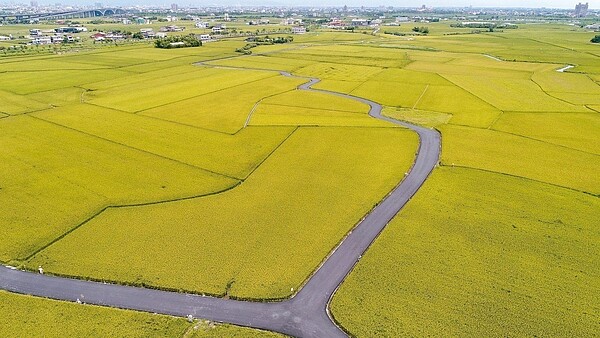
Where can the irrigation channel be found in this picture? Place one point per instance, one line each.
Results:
(306, 314)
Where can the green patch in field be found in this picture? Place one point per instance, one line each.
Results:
(478, 253)
(262, 238)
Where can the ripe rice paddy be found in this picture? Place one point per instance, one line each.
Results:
(220, 244)
(478, 252)
(500, 240)
(36, 317)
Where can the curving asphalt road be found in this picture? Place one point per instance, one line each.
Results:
(304, 315)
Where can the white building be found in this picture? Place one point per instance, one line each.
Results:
(298, 30)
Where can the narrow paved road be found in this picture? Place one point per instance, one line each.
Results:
(304, 315)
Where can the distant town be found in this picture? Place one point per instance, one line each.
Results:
(58, 24)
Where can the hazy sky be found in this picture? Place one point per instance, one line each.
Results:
(353, 3)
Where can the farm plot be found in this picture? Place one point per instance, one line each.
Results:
(243, 242)
(512, 94)
(458, 69)
(279, 115)
(421, 117)
(466, 108)
(409, 76)
(573, 130)
(478, 252)
(167, 64)
(482, 62)
(55, 178)
(13, 104)
(37, 317)
(520, 156)
(26, 316)
(315, 100)
(574, 88)
(45, 64)
(232, 155)
(350, 55)
(217, 111)
(390, 93)
(58, 97)
(340, 86)
(32, 82)
(323, 70)
(146, 93)
(262, 62)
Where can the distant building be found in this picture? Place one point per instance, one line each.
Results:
(4, 38)
(291, 21)
(359, 22)
(595, 27)
(204, 37)
(171, 28)
(581, 9)
(147, 33)
(298, 30)
(174, 7)
(34, 4)
(142, 21)
(99, 36)
(70, 29)
(402, 19)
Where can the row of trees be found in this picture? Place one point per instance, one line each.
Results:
(178, 41)
(422, 30)
(266, 40)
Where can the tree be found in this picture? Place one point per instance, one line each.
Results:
(178, 42)
(422, 30)
(595, 39)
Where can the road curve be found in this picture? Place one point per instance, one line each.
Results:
(304, 315)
